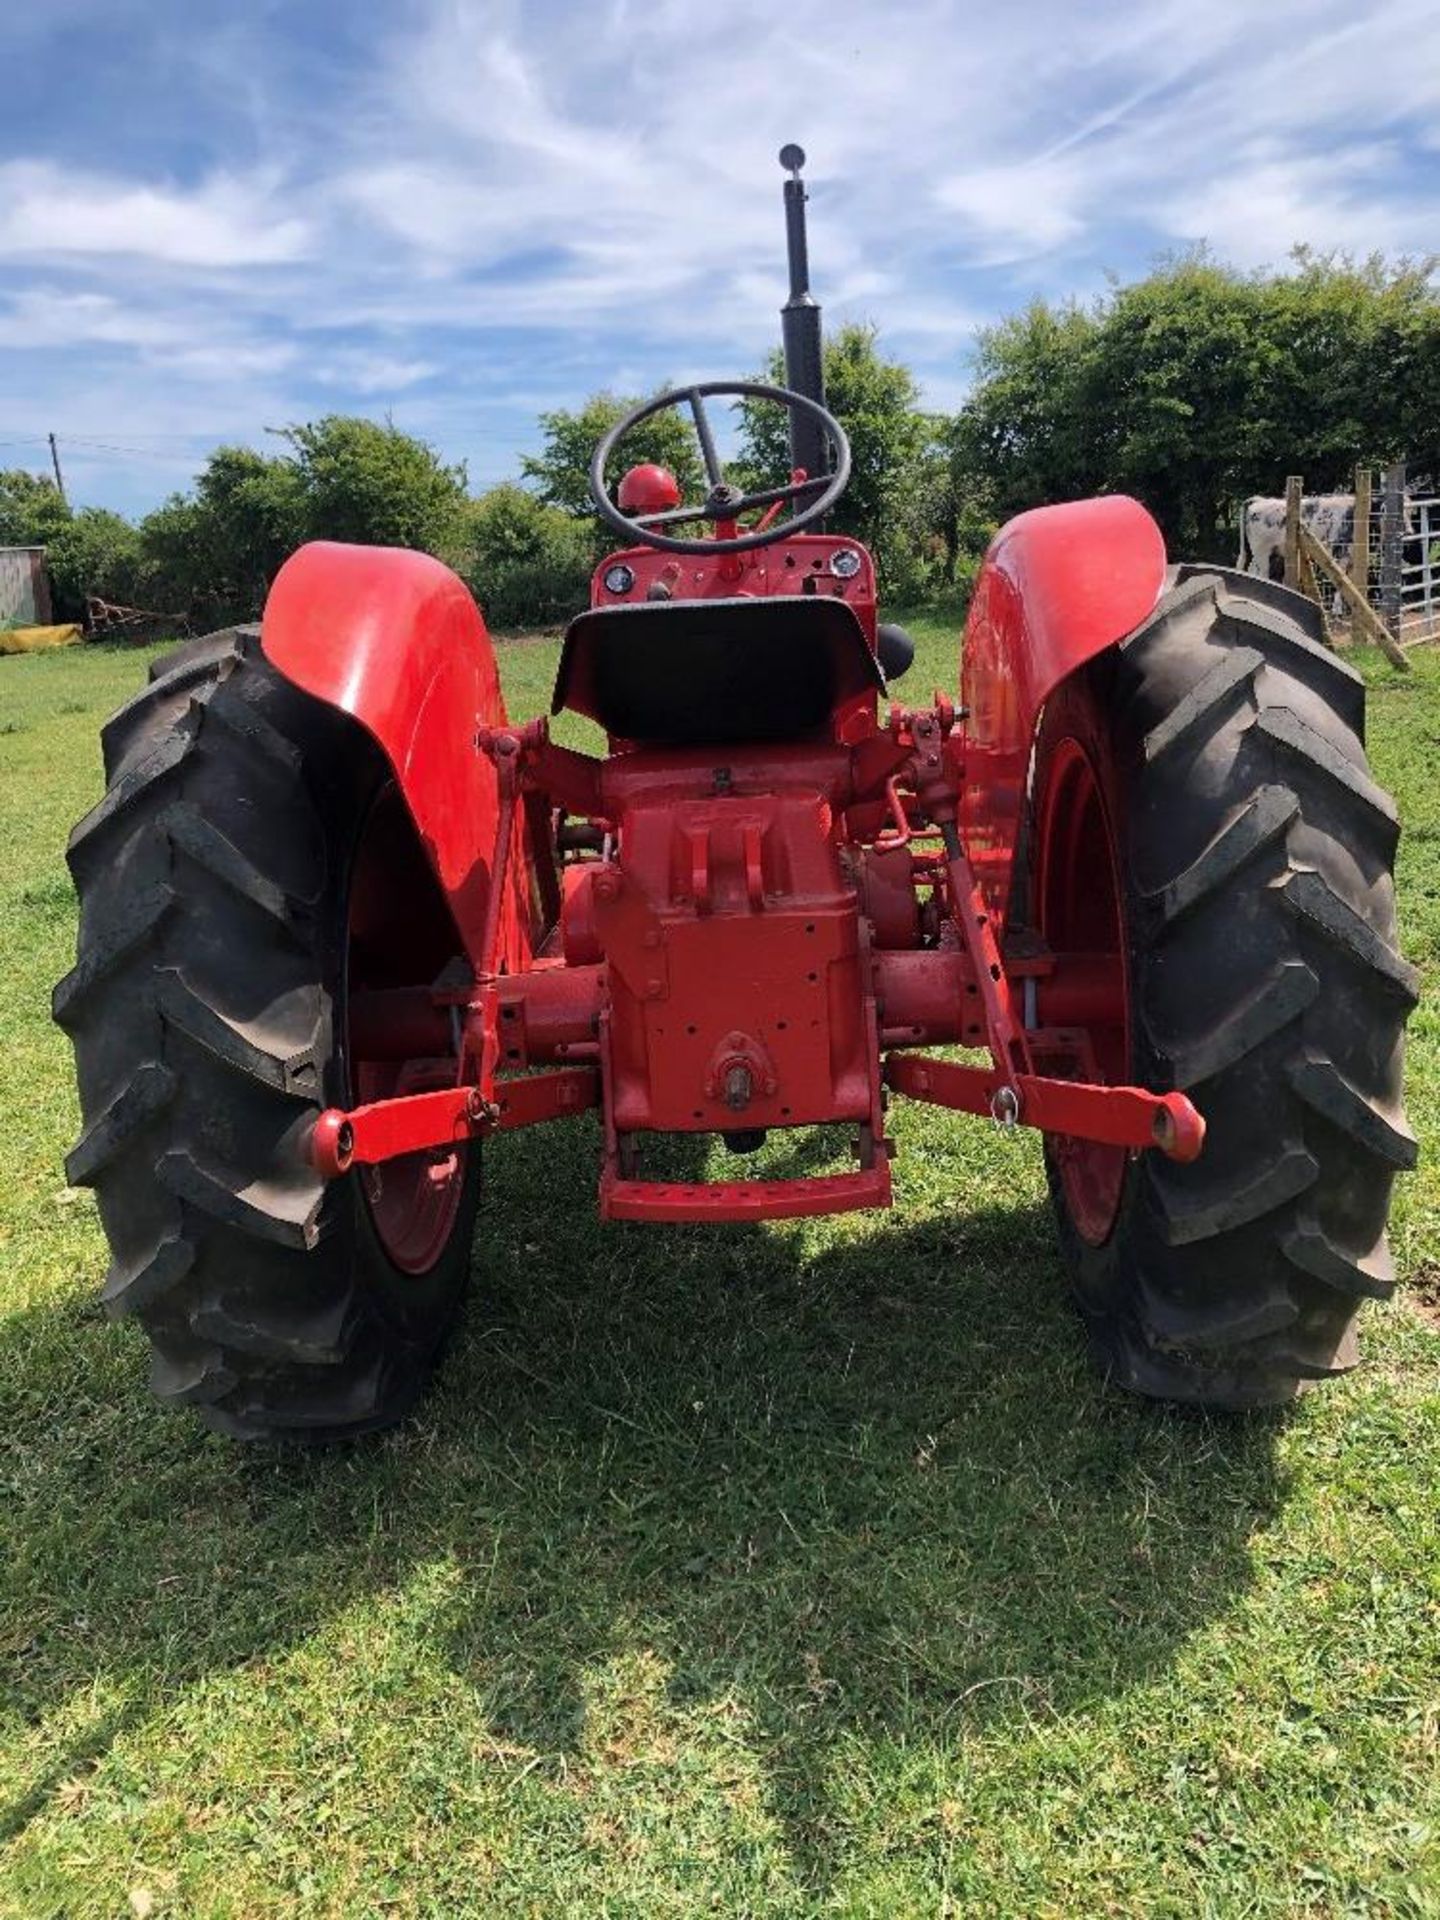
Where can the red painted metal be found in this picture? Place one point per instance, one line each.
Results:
(1059, 585)
(842, 774)
(735, 1200)
(1080, 992)
(901, 832)
(1079, 903)
(394, 638)
(551, 1013)
(647, 489)
(927, 998)
(732, 936)
(1119, 1116)
(887, 887)
(773, 512)
(383, 1129)
(778, 569)
(503, 746)
(539, 1097)
(415, 1205)
(768, 950)
(387, 1128)
(398, 1023)
(579, 941)
(745, 929)
(972, 919)
(739, 984)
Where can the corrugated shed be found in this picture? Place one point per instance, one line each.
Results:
(24, 587)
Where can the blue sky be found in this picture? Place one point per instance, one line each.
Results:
(216, 218)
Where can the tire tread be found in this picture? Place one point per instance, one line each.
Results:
(199, 1023)
(1270, 986)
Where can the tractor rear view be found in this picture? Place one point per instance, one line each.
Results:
(341, 921)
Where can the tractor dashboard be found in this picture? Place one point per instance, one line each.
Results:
(825, 565)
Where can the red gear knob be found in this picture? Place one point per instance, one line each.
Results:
(648, 489)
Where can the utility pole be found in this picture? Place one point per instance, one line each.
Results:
(55, 461)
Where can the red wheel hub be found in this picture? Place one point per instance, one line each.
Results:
(413, 1201)
(1081, 911)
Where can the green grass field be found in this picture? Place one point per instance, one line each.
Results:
(797, 1570)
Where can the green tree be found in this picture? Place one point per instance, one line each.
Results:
(95, 552)
(526, 563)
(950, 507)
(1027, 424)
(211, 554)
(560, 472)
(92, 551)
(257, 512)
(176, 539)
(1198, 386)
(32, 509)
(892, 446)
(365, 482)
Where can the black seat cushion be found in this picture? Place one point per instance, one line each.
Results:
(692, 672)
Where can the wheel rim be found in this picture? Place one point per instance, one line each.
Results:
(1081, 911)
(413, 1201)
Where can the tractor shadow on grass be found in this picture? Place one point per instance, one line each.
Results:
(858, 1481)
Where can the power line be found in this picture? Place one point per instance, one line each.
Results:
(139, 453)
(196, 433)
(102, 446)
(13, 438)
(21, 433)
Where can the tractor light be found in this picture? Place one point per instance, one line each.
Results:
(619, 579)
(845, 563)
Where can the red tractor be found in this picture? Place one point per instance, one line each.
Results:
(341, 921)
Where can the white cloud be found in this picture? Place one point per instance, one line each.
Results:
(640, 160)
(477, 208)
(1013, 212)
(430, 206)
(185, 342)
(1253, 213)
(231, 362)
(50, 317)
(48, 211)
(373, 373)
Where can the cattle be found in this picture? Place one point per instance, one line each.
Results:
(1329, 516)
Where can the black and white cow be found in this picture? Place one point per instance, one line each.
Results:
(1329, 516)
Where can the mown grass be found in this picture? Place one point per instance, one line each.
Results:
(805, 1570)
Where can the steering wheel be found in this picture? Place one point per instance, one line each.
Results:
(724, 502)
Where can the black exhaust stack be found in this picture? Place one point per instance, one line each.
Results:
(800, 327)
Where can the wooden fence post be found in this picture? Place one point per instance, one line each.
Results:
(1294, 493)
(1374, 628)
(1360, 546)
(1310, 583)
(1392, 546)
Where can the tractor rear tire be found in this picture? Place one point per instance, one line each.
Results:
(207, 1012)
(1257, 968)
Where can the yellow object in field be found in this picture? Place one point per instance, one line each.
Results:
(38, 639)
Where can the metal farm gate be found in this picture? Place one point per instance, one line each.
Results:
(1418, 610)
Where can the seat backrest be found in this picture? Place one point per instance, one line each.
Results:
(692, 672)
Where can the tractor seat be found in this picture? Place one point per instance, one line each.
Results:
(688, 673)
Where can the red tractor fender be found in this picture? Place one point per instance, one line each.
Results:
(1058, 586)
(394, 639)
